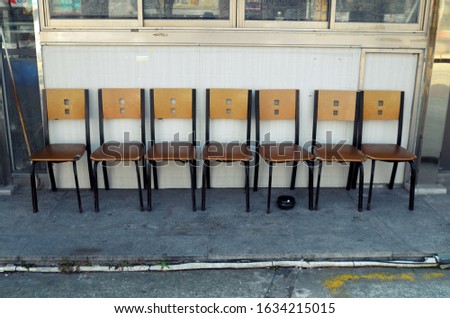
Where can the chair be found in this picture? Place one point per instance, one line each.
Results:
(281, 105)
(387, 105)
(117, 104)
(172, 103)
(332, 105)
(62, 104)
(229, 104)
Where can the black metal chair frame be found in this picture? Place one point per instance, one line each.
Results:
(412, 163)
(74, 163)
(153, 164)
(206, 171)
(271, 164)
(354, 167)
(102, 141)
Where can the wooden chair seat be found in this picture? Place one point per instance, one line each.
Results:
(59, 153)
(172, 151)
(339, 153)
(166, 105)
(116, 104)
(226, 152)
(231, 105)
(387, 152)
(341, 107)
(62, 104)
(284, 152)
(115, 151)
(382, 106)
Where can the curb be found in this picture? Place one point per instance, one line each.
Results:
(428, 262)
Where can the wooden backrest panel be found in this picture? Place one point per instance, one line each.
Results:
(336, 105)
(172, 102)
(65, 103)
(226, 103)
(277, 104)
(121, 103)
(381, 105)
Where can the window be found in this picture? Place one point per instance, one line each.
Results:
(379, 15)
(286, 13)
(384, 12)
(187, 9)
(101, 9)
(286, 10)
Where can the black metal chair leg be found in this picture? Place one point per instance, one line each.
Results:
(247, 185)
(269, 187)
(372, 174)
(204, 186)
(75, 175)
(354, 177)
(310, 185)
(105, 175)
(394, 171)
(412, 186)
(149, 186)
(51, 175)
(256, 175)
(91, 174)
(96, 205)
(138, 175)
(208, 174)
(294, 174)
(155, 175)
(318, 184)
(193, 186)
(194, 163)
(33, 187)
(144, 172)
(351, 176)
(361, 187)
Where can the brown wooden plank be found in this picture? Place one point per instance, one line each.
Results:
(381, 105)
(336, 105)
(173, 103)
(65, 103)
(121, 103)
(226, 103)
(277, 104)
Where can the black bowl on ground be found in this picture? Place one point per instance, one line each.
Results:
(286, 202)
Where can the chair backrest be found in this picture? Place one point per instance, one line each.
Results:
(121, 103)
(62, 104)
(172, 103)
(228, 103)
(277, 104)
(384, 105)
(336, 105)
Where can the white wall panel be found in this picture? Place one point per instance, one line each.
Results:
(389, 71)
(206, 67)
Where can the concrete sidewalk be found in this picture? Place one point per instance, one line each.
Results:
(120, 233)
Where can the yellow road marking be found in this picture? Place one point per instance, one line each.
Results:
(337, 282)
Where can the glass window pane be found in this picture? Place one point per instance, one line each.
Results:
(378, 11)
(287, 10)
(100, 9)
(187, 9)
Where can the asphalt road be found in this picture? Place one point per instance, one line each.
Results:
(255, 283)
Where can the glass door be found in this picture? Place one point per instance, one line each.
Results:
(20, 84)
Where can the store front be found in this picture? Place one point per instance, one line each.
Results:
(253, 44)
(20, 90)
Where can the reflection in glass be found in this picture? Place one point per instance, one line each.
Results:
(287, 10)
(378, 11)
(187, 9)
(100, 9)
(20, 82)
